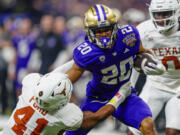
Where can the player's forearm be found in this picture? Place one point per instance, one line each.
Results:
(74, 73)
(148, 51)
(143, 50)
(90, 119)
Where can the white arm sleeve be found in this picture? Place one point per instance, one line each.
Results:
(65, 67)
(134, 77)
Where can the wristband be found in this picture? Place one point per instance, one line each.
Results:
(117, 100)
(121, 95)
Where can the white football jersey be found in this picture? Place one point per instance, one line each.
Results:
(29, 119)
(167, 49)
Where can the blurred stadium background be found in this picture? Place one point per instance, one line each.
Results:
(39, 35)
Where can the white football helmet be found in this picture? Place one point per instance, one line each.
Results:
(53, 91)
(164, 14)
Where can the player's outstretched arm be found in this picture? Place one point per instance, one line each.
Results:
(90, 119)
(65, 67)
(74, 73)
(71, 69)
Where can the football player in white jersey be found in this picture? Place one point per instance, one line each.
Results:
(44, 109)
(161, 34)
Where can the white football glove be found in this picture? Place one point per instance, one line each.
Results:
(153, 69)
(121, 95)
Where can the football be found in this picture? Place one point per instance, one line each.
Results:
(143, 59)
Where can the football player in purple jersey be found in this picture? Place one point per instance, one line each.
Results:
(108, 52)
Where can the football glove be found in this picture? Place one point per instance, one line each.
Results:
(153, 69)
(148, 64)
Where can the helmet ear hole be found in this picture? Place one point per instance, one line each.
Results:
(40, 93)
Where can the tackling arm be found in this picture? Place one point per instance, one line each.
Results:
(65, 67)
(90, 119)
(71, 69)
(74, 73)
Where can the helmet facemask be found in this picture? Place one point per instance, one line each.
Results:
(103, 37)
(164, 21)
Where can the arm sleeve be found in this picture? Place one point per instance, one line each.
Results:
(134, 77)
(65, 67)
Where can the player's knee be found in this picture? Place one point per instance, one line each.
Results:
(170, 131)
(147, 125)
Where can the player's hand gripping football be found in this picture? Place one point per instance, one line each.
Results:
(154, 69)
(148, 64)
(121, 95)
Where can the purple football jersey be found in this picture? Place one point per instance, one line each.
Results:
(111, 68)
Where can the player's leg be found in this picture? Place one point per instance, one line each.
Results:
(147, 126)
(90, 104)
(155, 98)
(135, 112)
(172, 113)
